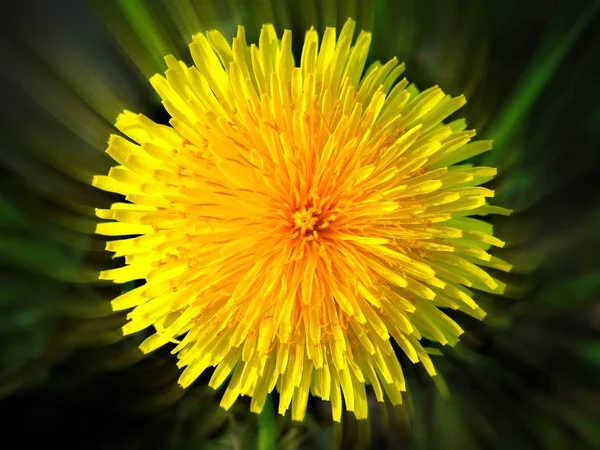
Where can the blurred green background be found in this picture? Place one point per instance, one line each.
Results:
(528, 377)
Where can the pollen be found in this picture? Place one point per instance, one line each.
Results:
(296, 226)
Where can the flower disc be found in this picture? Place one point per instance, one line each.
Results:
(294, 222)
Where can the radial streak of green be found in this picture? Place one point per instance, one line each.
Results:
(144, 26)
(540, 71)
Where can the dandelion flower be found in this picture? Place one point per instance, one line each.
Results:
(297, 225)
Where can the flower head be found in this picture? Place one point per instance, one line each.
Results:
(295, 221)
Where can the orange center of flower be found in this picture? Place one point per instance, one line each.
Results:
(310, 219)
(306, 219)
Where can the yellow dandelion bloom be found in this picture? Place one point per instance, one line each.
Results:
(294, 221)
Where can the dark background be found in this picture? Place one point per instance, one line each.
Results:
(528, 377)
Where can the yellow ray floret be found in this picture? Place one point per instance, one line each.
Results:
(294, 221)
